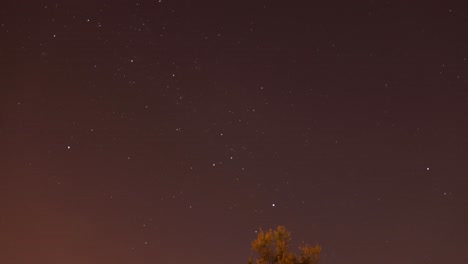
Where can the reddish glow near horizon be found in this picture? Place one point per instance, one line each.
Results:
(172, 131)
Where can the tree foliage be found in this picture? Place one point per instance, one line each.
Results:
(272, 247)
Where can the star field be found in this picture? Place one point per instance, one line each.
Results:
(172, 131)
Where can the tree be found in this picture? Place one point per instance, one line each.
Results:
(272, 247)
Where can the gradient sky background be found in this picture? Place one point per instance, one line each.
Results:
(170, 131)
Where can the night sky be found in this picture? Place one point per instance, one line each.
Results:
(170, 132)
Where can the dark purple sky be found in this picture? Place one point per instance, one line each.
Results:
(170, 131)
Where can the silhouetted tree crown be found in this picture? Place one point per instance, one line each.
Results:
(272, 247)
